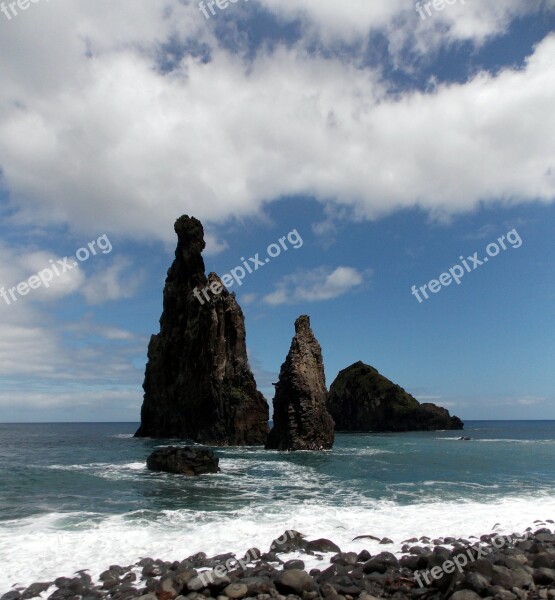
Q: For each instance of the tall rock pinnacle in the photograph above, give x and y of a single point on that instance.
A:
(198, 384)
(301, 420)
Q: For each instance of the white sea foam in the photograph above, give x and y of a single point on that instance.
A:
(113, 471)
(42, 548)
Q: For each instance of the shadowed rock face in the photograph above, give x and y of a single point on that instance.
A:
(361, 399)
(301, 420)
(183, 461)
(198, 383)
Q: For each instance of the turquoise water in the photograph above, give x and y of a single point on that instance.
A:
(84, 488)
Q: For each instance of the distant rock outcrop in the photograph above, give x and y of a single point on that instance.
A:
(361, 399)
(198, 383)
(301, 420)
(183, 461)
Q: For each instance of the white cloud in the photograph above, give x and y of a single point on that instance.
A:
(315, 286)
(530, 400)
(248, 299)
(97, 399)
(17, 266)
(113, 282)
(107, 139)
(354, 21)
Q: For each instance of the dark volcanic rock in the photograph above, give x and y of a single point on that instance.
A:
(361, 399)
(198, 383)
(301, 420)
(183, 461)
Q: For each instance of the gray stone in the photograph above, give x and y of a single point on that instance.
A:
(35, 589)
(544, 576)
(294, 581)
(13, 595)
(236, 590)
(197, 583)
(294, 564)
(323, 545)
(380, 563)
(477, 582)
(465, 595)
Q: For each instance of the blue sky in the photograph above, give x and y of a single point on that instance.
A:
(392, 145)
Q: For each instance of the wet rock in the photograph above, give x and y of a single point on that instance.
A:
(301, 419)
(380, 563)
(345, 558)
(294, 564)
(35, 589)
(364, 556)
(13, 595)
(183, 461)
(323, 545)
(290, 541)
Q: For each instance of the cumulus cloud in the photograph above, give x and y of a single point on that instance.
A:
(109, 123)
(112, 139)
(353, 21)
(119, 280)
(316, 285)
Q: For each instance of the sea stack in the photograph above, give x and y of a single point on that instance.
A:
(362, 400)
(301, 420)
(198, 384)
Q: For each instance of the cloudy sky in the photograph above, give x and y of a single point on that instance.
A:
(396, 146)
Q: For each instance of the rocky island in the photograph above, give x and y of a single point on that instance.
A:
(301, 419)
(362, 400)
(198, 383)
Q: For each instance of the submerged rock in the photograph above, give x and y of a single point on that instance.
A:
(183, 461)
(198, 382)
(361, 399)
(301, 420)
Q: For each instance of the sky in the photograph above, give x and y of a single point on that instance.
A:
(391, 147)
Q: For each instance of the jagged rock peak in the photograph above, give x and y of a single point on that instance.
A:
(198, 382)
(301, 420)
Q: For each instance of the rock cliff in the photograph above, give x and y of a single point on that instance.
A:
(301, 420)
(198, 384)
(361, 399)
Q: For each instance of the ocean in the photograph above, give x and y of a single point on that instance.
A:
(79, 496)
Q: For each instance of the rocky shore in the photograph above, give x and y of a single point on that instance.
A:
(517, 567)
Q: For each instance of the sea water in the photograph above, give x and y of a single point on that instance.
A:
(79, 496)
